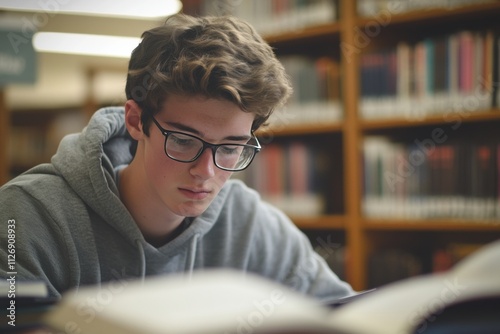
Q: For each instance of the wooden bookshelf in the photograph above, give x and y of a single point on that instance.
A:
(364, 235)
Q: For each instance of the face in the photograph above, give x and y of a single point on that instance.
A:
(187, 189)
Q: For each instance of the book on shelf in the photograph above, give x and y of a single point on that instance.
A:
(496, 74)
(316, 92)
(276, 16)
(224, 301)
(439, 75)
(420, 179)
(291, 176)
(375, 7)
(390, 265)
(446, 257)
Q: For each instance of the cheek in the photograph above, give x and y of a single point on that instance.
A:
(156, 164)
(221, 177)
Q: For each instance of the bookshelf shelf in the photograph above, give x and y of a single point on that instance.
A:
(307, 35)
(439, 16)
(444, 225)
(465, 117)
(330, 222)
(294, 130)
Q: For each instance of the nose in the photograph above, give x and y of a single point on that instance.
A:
(204, 167)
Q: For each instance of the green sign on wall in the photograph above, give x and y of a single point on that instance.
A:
(17, 55)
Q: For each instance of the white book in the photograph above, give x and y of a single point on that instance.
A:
(218, 301)
(230, 302)
(416, 304)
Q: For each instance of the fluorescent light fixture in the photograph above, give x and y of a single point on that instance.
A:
(84, 44)
(148, 9)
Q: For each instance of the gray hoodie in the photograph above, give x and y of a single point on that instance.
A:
(71, 229)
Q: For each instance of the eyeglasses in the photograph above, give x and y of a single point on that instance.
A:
(183, 147)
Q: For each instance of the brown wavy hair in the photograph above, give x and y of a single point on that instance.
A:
(216, 57)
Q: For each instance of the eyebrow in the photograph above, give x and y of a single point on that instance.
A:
(183, 127)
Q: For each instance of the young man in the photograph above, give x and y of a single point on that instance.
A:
(145, 190)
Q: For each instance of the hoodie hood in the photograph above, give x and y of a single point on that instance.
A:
(83, 160)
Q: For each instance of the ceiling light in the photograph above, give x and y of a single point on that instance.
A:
(149, 9)
(84, 44)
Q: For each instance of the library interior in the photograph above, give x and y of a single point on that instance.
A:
(387, 155)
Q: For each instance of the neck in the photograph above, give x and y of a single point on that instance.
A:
(152, 217)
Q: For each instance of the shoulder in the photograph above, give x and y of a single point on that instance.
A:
(40, 182)
(38, 193)
(237, 188)
(244, 206)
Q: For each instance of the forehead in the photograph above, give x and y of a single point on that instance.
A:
(207, 117)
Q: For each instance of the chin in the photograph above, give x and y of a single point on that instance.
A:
(192, 210)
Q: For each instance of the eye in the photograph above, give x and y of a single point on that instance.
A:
(230, 149)
(182, 140)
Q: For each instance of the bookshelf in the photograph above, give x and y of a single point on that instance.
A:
(36, 133)
(347, 39)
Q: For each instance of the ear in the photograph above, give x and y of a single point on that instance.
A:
(133, 119)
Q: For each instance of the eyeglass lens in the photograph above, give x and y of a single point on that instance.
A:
(186, 148)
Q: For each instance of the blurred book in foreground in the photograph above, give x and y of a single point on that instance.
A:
(464, 299)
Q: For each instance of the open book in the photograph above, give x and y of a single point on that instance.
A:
(465, 299)
(230, 302)
(218, 301)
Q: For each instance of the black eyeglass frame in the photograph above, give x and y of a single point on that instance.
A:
(206, 145)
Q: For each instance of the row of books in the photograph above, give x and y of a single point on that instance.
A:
(442, 74)
(276, 16)
(425, 180)
(290, 176)
(375, 7)
(28, 146)
(35, 143)
(394, 264)
(316, 98)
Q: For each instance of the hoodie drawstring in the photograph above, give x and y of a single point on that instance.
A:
(192, 255)
(142, 259)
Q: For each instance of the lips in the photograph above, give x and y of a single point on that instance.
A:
(195, 194)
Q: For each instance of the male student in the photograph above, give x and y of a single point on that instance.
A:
(144, 189)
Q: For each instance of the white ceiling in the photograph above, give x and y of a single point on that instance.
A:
(63, 80)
